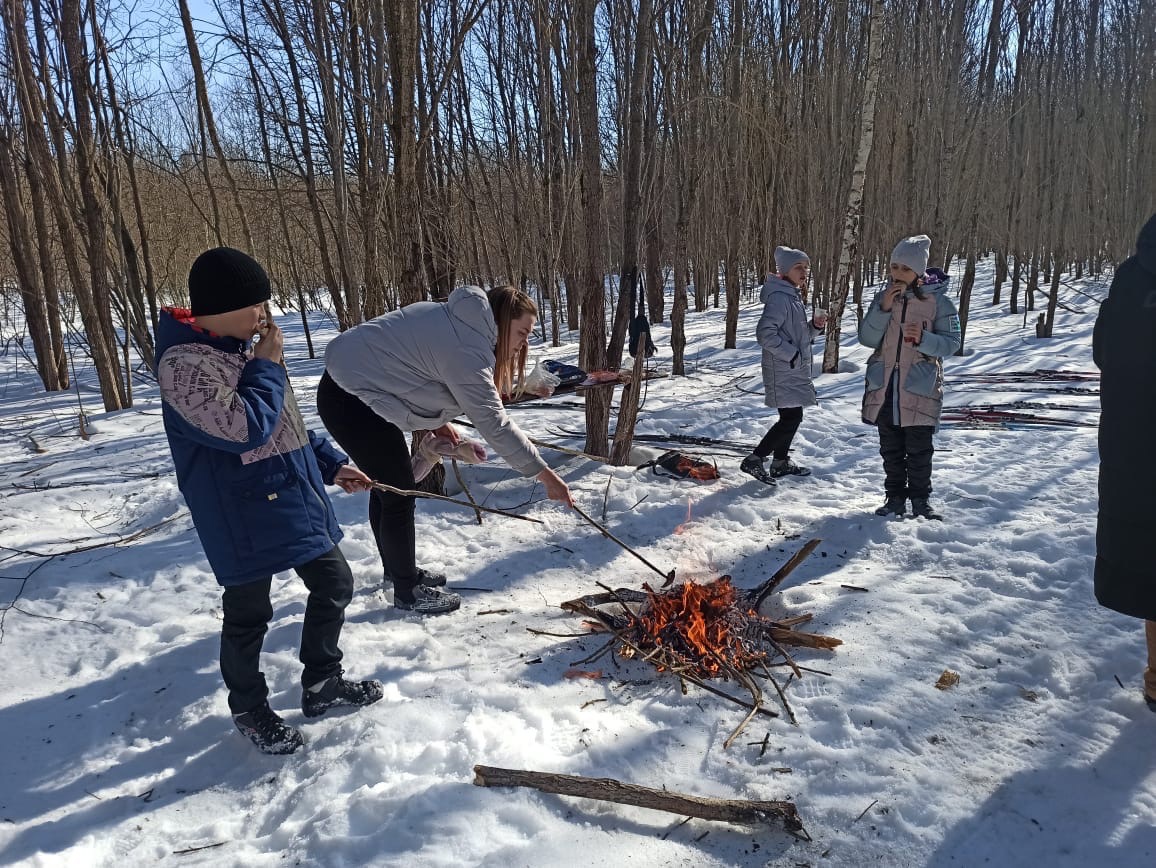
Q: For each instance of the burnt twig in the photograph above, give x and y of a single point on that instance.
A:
(465, 489)
(764, 590)
(668, 577)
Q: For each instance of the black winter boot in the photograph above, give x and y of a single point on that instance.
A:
(921, 508)
(787, 467)
(424, 577)
(426, 601)
(893, 506)
(753, 465)
(337, 691)
(267, 731)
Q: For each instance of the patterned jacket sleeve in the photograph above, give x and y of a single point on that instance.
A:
(215, 406)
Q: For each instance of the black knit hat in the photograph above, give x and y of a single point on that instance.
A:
(224, 279)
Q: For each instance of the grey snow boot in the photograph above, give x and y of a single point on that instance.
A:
(787, 467)
(426, 601)
(753, 465)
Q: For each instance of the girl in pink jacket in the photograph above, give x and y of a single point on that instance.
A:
(911, 326)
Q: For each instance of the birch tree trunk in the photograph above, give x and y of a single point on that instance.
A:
(854, 214)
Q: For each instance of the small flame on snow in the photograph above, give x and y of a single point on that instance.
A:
(685, 526)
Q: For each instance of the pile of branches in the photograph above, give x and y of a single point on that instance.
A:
(704, 632)
(996, 416)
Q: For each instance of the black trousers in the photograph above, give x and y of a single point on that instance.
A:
(380, 450)
(906, 454)
(777, 441)
(246, 612)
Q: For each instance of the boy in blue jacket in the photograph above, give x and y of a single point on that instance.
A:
(254, 480)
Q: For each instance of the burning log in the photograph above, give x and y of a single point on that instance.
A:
(610, 790)
(700, 632)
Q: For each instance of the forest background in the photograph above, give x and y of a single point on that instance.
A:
(374, 154)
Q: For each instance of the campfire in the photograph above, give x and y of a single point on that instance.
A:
(701, 632)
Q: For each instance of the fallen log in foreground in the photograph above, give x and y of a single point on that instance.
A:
(609, 790)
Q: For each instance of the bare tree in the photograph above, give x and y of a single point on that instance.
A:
(854, 214)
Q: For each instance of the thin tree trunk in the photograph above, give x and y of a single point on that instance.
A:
(854, 213)
(592, 342)
(205, 110)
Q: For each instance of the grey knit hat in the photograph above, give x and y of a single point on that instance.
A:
(912, 252)
(787, 257)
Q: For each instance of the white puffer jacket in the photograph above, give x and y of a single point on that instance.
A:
(423, 365)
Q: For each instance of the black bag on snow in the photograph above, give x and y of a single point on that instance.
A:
(679, 465)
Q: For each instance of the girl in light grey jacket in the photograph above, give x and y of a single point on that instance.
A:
(416, 369)
(786, 334)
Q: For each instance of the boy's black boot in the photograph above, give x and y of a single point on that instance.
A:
(267, 731)
(337, 691)
(921, 507)
(893, 506)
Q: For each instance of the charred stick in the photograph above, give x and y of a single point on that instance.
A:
(782, 696)
(617, 598)
(669, 577)
(610, 790)
(599, 653)
(760, 709)
(783, 651)
(764, 590)
(598, 599)
(787, 623)
(756, 697)
(466, 489)
(407, 492)
(558, 635)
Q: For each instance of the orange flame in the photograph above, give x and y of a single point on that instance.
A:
(700, 623)
(682, 528)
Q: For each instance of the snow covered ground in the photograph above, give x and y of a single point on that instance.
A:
(118, 749)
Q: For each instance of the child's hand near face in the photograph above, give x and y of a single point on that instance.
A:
(890, 295)
(272, 344)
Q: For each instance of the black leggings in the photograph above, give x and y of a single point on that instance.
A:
(245, 615)
(380, 450)
(777, 441)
